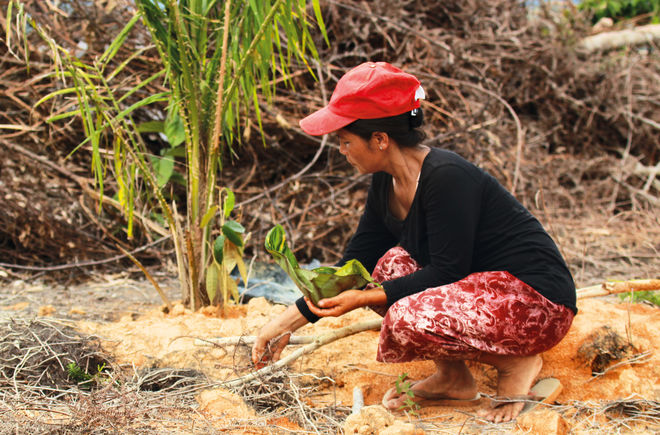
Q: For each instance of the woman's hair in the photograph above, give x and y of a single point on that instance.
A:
(402, 128)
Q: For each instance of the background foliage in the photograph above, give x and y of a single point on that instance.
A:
(621, 9)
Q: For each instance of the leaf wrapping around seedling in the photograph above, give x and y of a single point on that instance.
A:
(321, 282)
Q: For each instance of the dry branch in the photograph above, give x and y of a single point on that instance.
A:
(317, 342)
(614, 287)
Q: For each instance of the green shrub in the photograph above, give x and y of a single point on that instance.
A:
(621, 9)
(650, 296)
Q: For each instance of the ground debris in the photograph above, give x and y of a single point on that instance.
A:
(286, 394)
(602, 347)
(376, 420)
(48, 355)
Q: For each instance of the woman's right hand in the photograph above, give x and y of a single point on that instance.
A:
(274, 336)
(269, 345)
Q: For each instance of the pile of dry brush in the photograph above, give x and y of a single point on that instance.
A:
(506, 88)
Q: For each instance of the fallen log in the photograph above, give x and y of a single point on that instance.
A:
(620, 38)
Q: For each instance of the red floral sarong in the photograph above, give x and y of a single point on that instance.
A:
(486, 312)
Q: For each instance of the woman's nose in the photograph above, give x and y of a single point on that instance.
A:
(342, 149)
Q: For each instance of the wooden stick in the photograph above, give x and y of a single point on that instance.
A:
(614, 287)
(318, 341)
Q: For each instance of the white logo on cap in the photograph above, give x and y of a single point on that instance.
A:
(419, 95)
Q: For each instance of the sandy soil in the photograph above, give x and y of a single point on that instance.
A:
(155, 339)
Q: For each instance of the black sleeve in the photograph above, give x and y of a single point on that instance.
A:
(451, 202)
(304, 310)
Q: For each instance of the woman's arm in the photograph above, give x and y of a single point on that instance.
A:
(274, 336)
(346, 301)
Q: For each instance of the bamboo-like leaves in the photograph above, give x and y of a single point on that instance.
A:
(197, 54)
(321, 282)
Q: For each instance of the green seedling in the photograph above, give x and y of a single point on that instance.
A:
(83, 378)
(404, 387)
(77, 374)
(321, 282)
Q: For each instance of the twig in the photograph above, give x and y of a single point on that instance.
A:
(520, 136)
(635, 359)
(151, 279)
(84, 263)
(248, 340)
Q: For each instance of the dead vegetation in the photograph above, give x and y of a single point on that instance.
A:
(574, 136)
(55, 380)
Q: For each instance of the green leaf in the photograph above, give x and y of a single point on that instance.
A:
(212, 281)
(218, 248)
(322, 282)
(229, 203)
(175, 130)
(208, 216)
(319, 20)
(233, 231)
(116, 44)
(164, 167)
(234, 226)
(8, 20)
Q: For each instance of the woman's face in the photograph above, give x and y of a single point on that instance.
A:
(361, 154)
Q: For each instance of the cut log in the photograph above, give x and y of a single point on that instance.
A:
(620, 38)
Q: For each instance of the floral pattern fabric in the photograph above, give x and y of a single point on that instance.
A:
(486, 312)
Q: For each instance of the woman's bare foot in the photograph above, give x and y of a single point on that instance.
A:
(515, 378)
(452, 381)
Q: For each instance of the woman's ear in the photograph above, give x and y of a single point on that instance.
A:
(380, 139)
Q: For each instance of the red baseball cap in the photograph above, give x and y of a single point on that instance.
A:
(368, 91)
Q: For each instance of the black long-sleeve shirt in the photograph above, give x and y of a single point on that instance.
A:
(461, 221)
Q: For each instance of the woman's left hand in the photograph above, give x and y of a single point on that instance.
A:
(346, 301)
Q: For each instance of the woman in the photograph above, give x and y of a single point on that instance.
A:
(467, 272)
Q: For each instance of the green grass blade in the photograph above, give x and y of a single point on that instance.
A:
(119, 40)
(142, 84)
(319, 20)
(161, 96)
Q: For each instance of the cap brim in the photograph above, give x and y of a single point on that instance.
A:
(324, 121)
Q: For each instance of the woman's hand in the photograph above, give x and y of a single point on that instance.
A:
(346, 301)
(274, 336)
